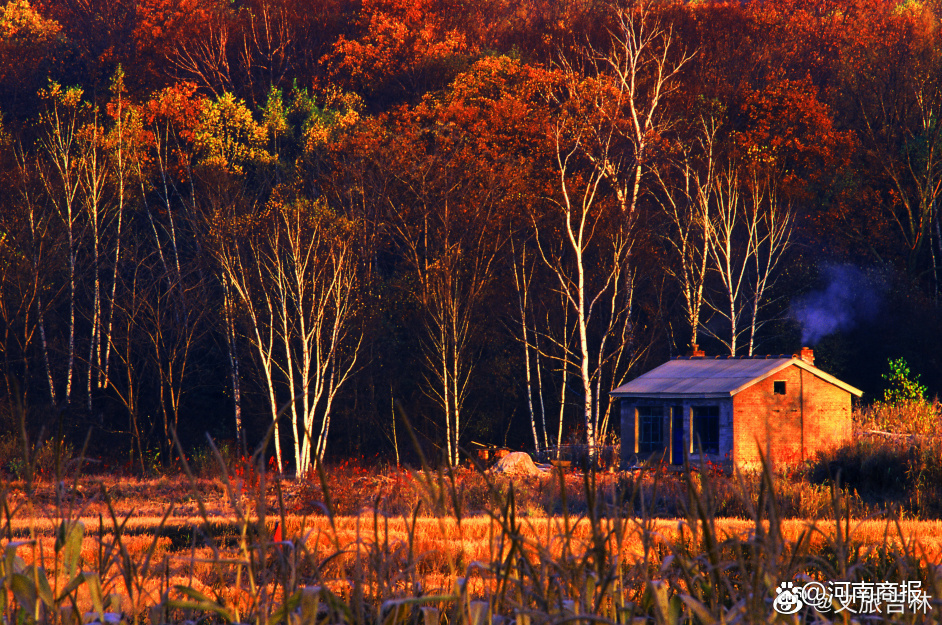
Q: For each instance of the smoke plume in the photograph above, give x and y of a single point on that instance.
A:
(848, 298)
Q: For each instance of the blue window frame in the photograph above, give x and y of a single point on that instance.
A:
(650, 428)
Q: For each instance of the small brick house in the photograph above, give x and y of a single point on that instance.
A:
(730, 408)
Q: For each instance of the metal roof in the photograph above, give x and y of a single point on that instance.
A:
(715, 377)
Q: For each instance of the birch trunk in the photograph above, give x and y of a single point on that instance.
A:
(59, 139)
(118, 89)
(299, 271)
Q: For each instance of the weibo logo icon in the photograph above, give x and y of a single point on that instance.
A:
(788, 599)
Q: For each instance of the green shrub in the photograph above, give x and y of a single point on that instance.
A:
(903, 386)
(904, 408)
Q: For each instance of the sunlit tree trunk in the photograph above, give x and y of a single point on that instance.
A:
(294, 278)
(62, 180)
(522, 281)
(121, 172)
(685, 195)
(539, 389)
(129, 353)
(731, 249)
(749, 234)
(576, 219)
(771, 239)
(602, 143)
(617, 351)
(244, 272)
(233, 357)
(451, 253)
(94, 177)
(564, 364)
(39, 239)
(180, 301)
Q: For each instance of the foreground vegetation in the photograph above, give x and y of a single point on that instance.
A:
(459, 546)
(219, 538)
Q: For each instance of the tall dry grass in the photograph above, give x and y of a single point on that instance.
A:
(916, 417)
(443, 546)
(611, 561)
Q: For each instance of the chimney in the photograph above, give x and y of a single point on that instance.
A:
(696, 352)
(807, 354)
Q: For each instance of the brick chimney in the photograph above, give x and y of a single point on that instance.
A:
(696, 352)
(807, 354)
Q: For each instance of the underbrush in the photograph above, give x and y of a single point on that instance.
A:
(228, 543)
(895, 460)
(914, 417)
(432, 547)
(886, 473)
(655, 491)
(351, 489)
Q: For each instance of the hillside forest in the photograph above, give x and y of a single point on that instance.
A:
(391, 224)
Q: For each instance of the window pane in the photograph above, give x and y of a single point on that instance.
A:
(706, 429)
(650, 428)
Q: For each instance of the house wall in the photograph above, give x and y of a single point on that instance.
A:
(811, 416)
(828, 417)
(630, 428)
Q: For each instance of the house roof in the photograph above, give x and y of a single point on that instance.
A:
(715, 377)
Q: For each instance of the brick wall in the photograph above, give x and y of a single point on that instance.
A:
(787, 429)
(767, 421)
(828, 420)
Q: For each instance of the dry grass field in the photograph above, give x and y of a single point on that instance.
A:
(175, 549)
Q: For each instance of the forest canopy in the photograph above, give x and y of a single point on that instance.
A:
(471, 219)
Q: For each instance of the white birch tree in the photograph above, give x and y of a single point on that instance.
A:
(587, 263)
(294, 279)
(772, 238)
(40, 245)
(94, 179)
(750, 231)
(61, 122)
(685, 194)
(523, 279)
(602, 155)
(451, 251)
